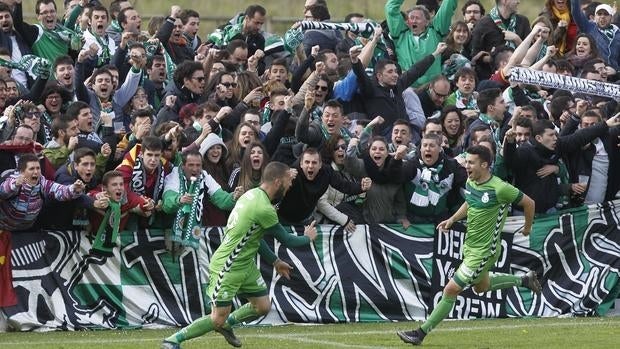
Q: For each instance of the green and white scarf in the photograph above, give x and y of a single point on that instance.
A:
(222, 37)
(266, 116)
(344, 132)
(563, 176)
(105, 56)
(499, 22)
(316, 113)
(46, 122)
(463, 102)
(186, 229)
(609, 32)
(542, 53)
(115, 26)
(62, 33)
(152, 49)
(30, 64)
(107, 234)
(494, 125)
(292, 39)
(428, 187)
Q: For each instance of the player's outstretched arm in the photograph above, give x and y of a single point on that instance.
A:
(457, 216)
(461, 213)
(528, 211)
(281, 266)
(267, 253)
(288, 239)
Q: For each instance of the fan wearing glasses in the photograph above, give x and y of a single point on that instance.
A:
(322, 93)
(24, 113)
(221, 89)
(433, 98)
(31, 116)
(189, 83)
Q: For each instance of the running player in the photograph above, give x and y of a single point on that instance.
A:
(486, 205)
(233, 271)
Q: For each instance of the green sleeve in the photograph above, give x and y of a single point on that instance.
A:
(170, 202)
(222, 199)
(73, 17)
(499, 167)
(57, 156)
(266, 252)
(394, 19)
(443, 17)
(451, 100)
(100, 162)
(507, 194)
(286, 238)
(365, 137)
(178, 159)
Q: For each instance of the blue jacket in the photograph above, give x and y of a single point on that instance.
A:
(609, 50)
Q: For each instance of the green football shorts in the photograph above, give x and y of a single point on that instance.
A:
(247, 283)
(474, 267)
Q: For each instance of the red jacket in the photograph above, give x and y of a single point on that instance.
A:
(129, 201)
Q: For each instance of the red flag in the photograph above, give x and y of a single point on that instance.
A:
(7, 293)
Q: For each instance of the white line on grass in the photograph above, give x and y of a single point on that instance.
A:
(330, 344)
(306, 336)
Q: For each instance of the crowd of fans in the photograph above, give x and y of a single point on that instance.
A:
(102, 112)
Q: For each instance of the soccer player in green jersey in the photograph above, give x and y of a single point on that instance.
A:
(232, 269)
(486, 206)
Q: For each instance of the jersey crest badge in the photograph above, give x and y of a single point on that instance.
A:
(485, 198)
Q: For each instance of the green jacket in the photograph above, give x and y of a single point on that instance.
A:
(409, 50)
(59, 155)
(218, 196)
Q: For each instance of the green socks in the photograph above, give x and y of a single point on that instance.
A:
(205, 324)
(499, 281)
(245, 312)
(439, 313)
(193, 330)
(443, 308)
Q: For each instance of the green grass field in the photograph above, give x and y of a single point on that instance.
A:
(504, 333)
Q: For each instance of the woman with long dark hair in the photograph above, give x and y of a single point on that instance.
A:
(243, 136)
(385, 200)
(221, 89)
(248, 175)
(453, 126)
(458, 41)
(584, 50)
(332, 205)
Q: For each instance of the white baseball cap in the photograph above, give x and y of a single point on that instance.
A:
(605, 7)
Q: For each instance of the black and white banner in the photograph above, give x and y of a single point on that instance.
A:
(378, 273)
(364, 28)
(564, 82)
